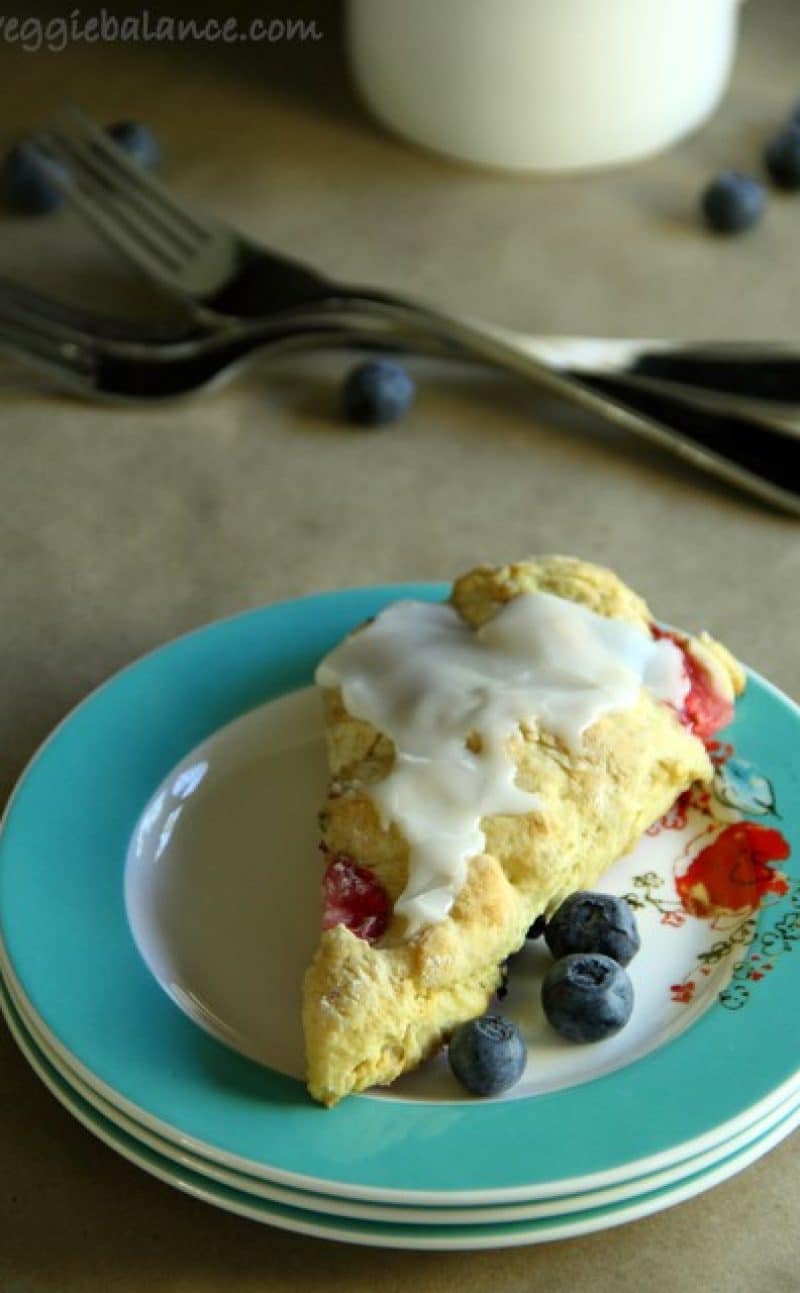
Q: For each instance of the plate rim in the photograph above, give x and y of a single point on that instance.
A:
(382, 1212)
(342, 1229)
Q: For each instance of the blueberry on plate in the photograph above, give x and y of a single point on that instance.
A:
(782, 158)
(25, 181)
(537, 928)
(587, 997)
(377, 392)
(733, 202)
(594, 922)
(138, 141)
(488, 1055)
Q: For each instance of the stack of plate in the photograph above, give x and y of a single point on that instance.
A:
(163, 838)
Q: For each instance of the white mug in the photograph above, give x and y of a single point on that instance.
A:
(542, 84)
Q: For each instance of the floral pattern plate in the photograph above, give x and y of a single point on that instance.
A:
(68, 953)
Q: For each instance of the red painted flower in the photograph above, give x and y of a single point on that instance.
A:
(353, 897)
(675, 818)
(673, 918)
(682, 993)
(719, 752)
(732, 874)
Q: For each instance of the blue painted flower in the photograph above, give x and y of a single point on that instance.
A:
(741, 785)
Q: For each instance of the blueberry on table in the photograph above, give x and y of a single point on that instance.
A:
(25, 181)
(587, 997)
(782, 158)
(488, 1055)
(377, 392)
(733, 202)
(138, 142)
(594, 922)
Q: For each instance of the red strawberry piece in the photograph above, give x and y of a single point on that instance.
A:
(353, 897)
(704, 710)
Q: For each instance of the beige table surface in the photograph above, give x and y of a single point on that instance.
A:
(121, 529)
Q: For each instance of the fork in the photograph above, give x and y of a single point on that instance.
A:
(109, 371)
(162, 341)
(743, 450)
(225, 280)
(744, 377)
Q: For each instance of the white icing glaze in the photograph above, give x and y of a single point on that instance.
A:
(428, 681)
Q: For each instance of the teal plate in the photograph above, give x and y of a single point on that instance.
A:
(321, 1225)
(67, 951)
(396, 1214)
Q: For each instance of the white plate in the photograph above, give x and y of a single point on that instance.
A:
(222, 895)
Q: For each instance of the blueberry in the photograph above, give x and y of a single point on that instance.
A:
(377, 392)
(488, 1055)
(733, 202)
(587, 997)
(594, 922)
(782, 158)
(138, 141)
(25, 181)
(538, 927)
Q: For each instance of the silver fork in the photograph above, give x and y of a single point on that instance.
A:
(743, 450)
(763, 380)
(108, 371)
(225, 280)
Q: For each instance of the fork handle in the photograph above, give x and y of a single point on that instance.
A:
(761, 373)
(758, 372)
(743, 450)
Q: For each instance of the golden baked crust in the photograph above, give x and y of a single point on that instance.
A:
(371, 1012)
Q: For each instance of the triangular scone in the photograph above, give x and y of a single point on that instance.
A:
(371, 1011)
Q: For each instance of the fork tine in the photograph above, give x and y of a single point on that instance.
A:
(89, 192)
(36, 345)
(80, 323)
(115, 186)
(117, 227)
(30, 310)
(134, 178)
(121, 195)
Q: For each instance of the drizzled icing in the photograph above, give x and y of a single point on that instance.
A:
(451, 697)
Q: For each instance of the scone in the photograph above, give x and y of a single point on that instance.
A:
(540, 722)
